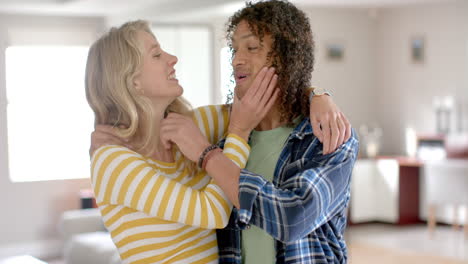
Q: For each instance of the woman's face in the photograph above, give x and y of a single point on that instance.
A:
(156, 78)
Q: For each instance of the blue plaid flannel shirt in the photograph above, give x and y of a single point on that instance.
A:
(303, 209)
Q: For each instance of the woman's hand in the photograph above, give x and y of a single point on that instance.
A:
(248, 111)
(106, 135)
(330, 125)
(182, 131)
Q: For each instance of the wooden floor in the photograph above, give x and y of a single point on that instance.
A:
(385, 244)
(390, 244)
(368, 254)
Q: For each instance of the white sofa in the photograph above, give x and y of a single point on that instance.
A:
(86, 240)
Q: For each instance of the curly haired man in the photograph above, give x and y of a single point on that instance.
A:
(292, 198)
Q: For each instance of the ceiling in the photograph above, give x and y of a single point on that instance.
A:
(166, 7)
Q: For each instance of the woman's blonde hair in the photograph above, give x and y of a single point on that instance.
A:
(113, 62)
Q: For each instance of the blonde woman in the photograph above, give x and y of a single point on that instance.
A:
(158, 206)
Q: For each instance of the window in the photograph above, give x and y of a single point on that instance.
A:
(48, 118)
(227, 79)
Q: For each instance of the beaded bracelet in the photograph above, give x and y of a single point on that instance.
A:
(203, 155)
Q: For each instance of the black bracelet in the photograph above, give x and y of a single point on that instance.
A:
(203, 155)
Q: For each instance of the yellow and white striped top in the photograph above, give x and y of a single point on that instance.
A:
(159, 212)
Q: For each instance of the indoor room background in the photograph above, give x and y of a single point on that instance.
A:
(397, 69)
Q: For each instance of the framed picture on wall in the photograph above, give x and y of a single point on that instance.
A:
(418, 49)
(334, 51)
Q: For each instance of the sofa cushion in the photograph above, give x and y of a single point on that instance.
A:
(91, 248)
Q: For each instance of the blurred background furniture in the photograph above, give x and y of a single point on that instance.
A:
(445, 183)
(86, 240)
(385, 189)
(445, 180)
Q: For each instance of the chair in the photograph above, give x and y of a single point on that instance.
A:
(86, 239)
(446, 183)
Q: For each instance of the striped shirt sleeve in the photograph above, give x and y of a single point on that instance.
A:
(123, 177)
(213, 121)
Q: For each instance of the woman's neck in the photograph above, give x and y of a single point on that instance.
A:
(155, 149)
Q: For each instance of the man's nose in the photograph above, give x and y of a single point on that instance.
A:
(238, 59)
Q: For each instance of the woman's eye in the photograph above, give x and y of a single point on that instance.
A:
(253, 48)
(157, 55)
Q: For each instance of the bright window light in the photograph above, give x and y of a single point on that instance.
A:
(227, 79)
(48, 118)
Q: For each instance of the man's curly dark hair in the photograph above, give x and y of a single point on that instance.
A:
(292, 51)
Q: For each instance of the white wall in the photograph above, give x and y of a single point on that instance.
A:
(406, 90)
(30, 211)
(352, 81)
(218, 25)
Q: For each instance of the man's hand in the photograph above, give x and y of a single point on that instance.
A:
(330, 125)
(247, 112)
(182, 131)
(106, 135)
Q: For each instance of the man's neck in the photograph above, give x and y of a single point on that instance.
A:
(271, 120)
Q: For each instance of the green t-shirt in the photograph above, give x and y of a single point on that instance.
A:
(265, 148)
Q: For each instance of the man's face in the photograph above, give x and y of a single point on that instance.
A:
(250, 56)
